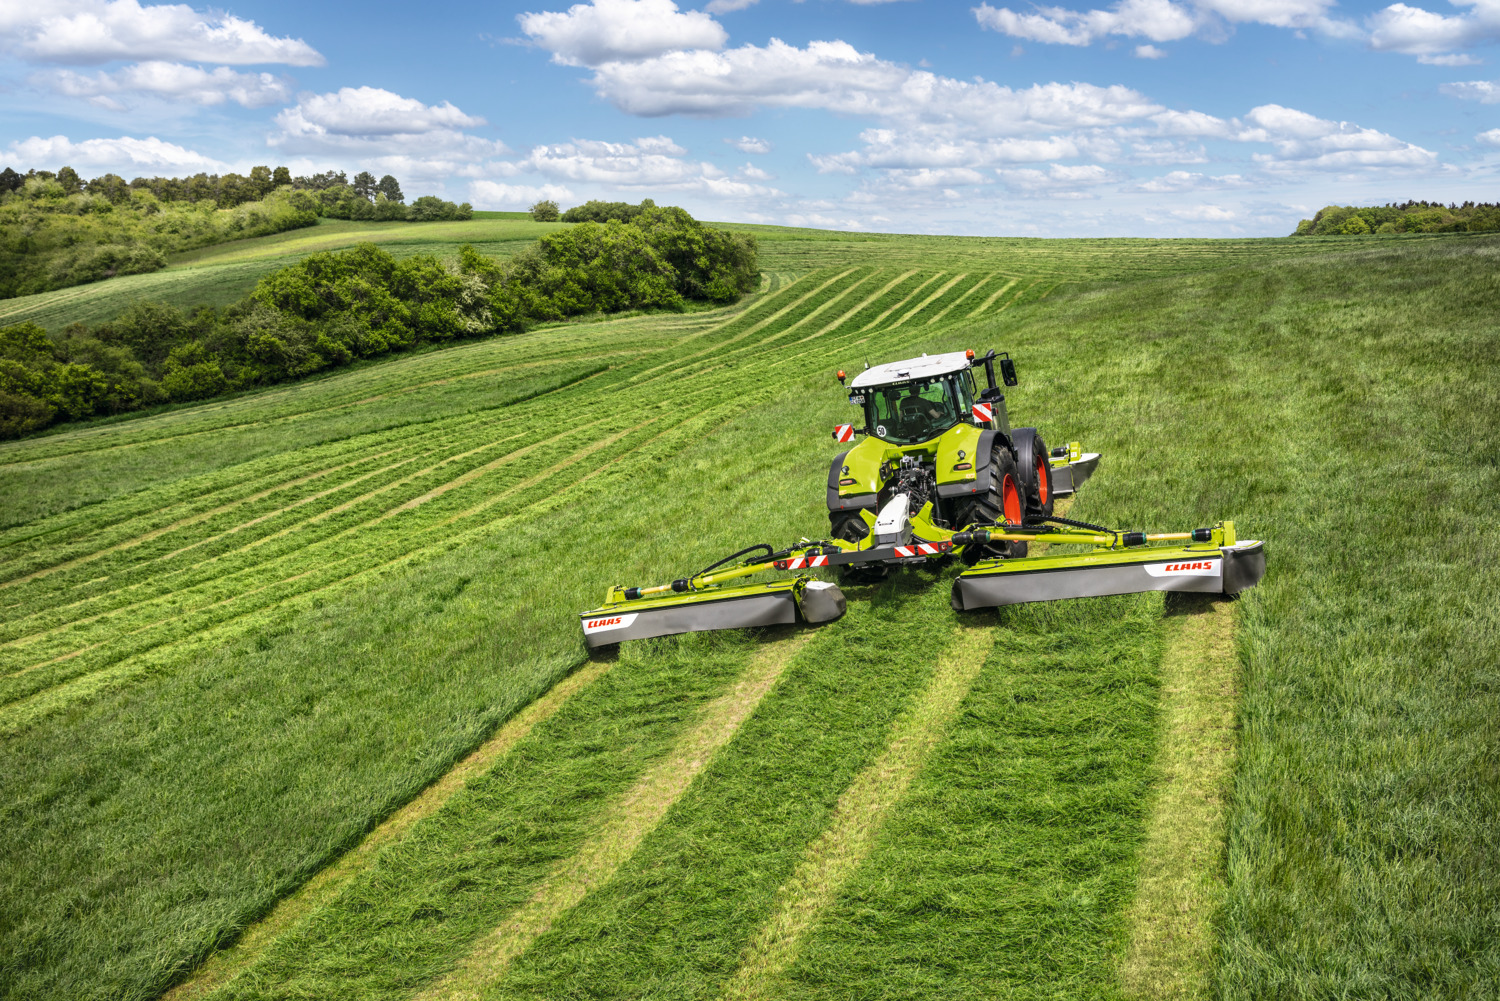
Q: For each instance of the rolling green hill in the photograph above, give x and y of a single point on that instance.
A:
(293, 701)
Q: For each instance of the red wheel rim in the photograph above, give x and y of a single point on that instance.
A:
(1043, 481)
(1010, 497)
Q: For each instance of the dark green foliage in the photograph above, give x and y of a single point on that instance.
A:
(597, 211)
(1408, 217)
(430, 208)
(331, 308)
(391, 188)
(50, 239)
(57, 232)
(544, 211)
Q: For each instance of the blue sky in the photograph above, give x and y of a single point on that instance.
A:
(1133, 118)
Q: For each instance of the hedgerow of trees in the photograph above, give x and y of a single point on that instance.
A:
(331, 308)
(597, 211)
(1407, 217)
(57, 230)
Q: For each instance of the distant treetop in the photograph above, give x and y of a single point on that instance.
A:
(1407, 217)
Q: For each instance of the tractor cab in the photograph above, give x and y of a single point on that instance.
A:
(916, 400)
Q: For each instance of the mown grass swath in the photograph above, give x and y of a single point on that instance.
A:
(238, 635)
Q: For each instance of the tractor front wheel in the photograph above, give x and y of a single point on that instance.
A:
(850, 527)
(1035, 470)
(1004, 501)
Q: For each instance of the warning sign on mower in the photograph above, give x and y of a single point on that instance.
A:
(844, 432)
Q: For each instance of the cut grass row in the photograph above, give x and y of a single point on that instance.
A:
(187, 611)
(431, 436)
(521, 613)
(1368, 716)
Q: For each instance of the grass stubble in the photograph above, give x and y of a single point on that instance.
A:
(223, 966)
(1361, 830)
(627, 821)
(1181, 890)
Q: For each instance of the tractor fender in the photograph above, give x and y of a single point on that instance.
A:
(989, 440)
(850, 503)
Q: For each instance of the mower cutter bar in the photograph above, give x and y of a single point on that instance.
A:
(1203, 560)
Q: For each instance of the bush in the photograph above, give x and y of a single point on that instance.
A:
(544, 211)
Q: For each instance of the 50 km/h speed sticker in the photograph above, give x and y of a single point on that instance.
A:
(607, 622)
(1185, 568)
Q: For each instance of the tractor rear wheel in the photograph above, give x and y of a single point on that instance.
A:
(850, 527)
(1003, 502)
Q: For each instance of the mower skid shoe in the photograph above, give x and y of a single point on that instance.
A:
(1067, 479)
(1225, 570)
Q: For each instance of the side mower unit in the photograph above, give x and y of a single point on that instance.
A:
(1202, 561)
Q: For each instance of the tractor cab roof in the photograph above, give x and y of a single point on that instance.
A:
(925, 367)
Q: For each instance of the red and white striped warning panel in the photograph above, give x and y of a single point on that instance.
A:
(844, 432)
(984, 412)
(803, 562)
(923, 549)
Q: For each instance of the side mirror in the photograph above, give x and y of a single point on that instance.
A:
(1007, 370)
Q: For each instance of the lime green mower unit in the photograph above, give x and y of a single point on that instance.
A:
(940, 475)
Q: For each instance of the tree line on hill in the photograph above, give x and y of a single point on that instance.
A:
(331, 308)
(547, 210)
(1407, 217)
(58, 230)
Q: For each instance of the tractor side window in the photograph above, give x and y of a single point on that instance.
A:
(963, 387)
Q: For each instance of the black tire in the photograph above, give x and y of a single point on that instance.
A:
(1035, 469)
(1001, 503)
(850, 527)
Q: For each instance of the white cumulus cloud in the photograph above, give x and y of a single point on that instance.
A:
(125, 155)
(835, 76)
(173, 81)
(890, 149)
(747, 144)
(1305, 141)
(651, 162)
(588, 34)
(1490, 138)
(1162, 20)
(1204, 213)
(1158, 20)
(1149, 52)
(1059, 180)
(1419, 32)
(388, 133)
(98, 31)
(493, 195)
(369, 112)
(1178, 181)
(1483, 91)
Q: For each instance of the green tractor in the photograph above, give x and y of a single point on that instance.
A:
(940, 454)
(941, 473)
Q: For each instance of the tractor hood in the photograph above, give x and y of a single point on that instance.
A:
(925, 367)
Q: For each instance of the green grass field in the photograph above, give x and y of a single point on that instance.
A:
(239, 639)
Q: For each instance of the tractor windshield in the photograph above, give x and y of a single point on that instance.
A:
(913, 411)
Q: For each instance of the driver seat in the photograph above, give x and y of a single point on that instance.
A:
(913, 419)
